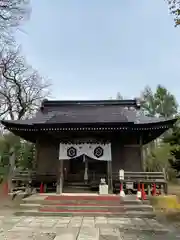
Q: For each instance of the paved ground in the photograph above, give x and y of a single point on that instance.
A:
(82, 228)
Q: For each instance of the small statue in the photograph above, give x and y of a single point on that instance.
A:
(34, 191)
(103, 181)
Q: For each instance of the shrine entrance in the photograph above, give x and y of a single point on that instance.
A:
(81, 173)
(83, 166)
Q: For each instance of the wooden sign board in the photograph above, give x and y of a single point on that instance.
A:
(121, 174)
(130, 185)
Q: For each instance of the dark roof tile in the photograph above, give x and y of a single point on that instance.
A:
(87, 113)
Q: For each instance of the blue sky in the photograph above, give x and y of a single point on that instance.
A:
(92, 49)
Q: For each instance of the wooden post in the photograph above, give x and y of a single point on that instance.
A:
(165, 185)
(61, 177)
(109, 173)
(141, 153)
(11, 169)
(85, 169)
(59, 186)
(36, 153)
(149, 189)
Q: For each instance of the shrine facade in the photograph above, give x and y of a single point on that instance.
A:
(83, 141)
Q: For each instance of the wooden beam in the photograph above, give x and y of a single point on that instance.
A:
(109, 173)
(132, 145)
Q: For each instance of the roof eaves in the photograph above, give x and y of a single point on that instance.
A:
(156, 122)
(7, 123)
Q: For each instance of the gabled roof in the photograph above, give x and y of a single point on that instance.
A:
(89, 112)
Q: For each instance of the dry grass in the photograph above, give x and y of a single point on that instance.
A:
(169, 206)
(168, 203)
(174, 189)
(7, 204)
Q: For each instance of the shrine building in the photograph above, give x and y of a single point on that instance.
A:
(79, 142)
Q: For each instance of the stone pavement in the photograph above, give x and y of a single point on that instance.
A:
(82, 228)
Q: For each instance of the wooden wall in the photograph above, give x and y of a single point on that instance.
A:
(124, 156)
(47, 157)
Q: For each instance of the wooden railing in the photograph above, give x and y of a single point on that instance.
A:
(128, 176)
(135, 177)
(144, 177)
(159, 178)
(148, 178)
(25, 175)
(80, 176)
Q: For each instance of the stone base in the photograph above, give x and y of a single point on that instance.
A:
(103, 189)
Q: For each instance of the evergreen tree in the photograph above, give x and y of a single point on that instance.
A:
(173, 138)
(160, 103)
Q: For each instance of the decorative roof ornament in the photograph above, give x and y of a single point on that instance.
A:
(43, 101)
(138, 103)
(42, 104)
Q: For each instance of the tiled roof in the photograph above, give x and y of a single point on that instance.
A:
(87, 113)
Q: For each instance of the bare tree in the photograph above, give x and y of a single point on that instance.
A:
(174, 7)
(21, 87)
(12, 14)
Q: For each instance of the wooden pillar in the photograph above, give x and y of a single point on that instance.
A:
(109, 173)
(165, 185)
(11, 169)
(141, 153)
(85, 169)
(61, 176)
(35, 160)
(59, 189)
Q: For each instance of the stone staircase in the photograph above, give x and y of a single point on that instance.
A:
(76, 187)
(84, 205)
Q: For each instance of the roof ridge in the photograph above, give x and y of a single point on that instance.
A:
(55, 103)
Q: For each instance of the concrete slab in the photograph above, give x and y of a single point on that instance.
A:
(119, 221)
(30, 205)
(21, 229)
(88, 234)
(107, 237)
(17, 235)
(67, 236)
(66, 221)
(72, 233)
(47, 224)
(12, 219)
(46, 228)
(35, 196)
(74, 225)
(110, 231)
(89, 225)
(62, 225)
(28, 219)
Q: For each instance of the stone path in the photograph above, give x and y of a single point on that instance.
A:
(82, 228)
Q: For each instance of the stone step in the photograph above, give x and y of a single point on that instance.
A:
(86, 197)
(83, 202)
(81, 187)
(128, 214)
(94, 209)
(76, 188)
(72, 207)
(30, 206)
(68, 183)
(130, 201)
(51, 202)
